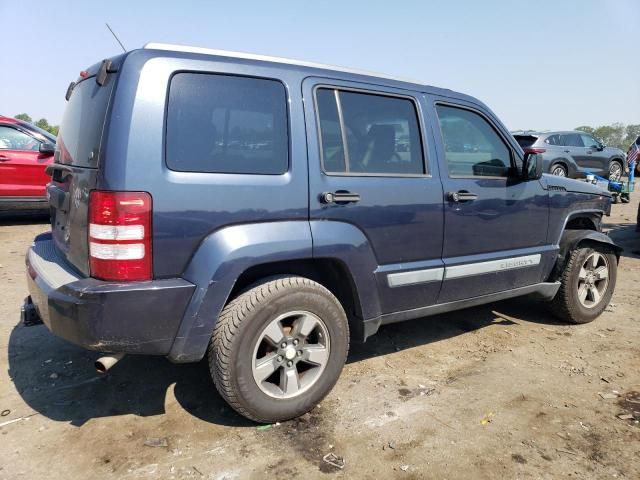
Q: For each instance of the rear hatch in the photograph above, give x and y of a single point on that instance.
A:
(526, 141)
(77, 160)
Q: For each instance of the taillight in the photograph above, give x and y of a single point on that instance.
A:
(535, 150)
(120, 235)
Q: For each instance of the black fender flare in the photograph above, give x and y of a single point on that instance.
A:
(572, 239)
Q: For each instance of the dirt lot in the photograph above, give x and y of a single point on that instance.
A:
(499, 391)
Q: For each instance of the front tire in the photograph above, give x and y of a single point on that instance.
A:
(558, 170)
(278, 348)
(615, 170)
(586, 285)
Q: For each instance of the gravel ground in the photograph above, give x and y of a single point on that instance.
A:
(498, 391)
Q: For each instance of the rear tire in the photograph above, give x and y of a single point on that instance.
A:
(558, 170)
(268, 379)
(586, 285)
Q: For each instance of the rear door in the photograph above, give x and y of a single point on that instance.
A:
(22, 166)
(371, 166)
(495, 224)
(75, 169)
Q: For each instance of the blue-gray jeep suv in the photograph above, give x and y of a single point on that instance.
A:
(262, 212)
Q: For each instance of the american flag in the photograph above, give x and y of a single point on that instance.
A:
(632, 155)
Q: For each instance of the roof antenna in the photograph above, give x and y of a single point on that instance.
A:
(116, 37)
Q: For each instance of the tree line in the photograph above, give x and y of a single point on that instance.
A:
(615, 135)
(43, 123)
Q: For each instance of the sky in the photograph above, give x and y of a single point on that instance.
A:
(538, 64)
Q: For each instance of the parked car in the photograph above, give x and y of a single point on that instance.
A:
(25, 152)
(172, 236)
(572, 154)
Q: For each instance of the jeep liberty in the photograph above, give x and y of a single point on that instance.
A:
(261, 212)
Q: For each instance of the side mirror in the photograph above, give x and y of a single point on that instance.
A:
(532, 166)
(47, 149)
(600, 147)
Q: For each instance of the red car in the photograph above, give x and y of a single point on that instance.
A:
(25, 152)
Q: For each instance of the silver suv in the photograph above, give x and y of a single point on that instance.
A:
(573, 154)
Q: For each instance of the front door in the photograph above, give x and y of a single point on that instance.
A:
(372, 169)
(495, 223)
(594, 157)
(21, 164)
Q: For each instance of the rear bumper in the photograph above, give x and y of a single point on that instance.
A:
(132, 317)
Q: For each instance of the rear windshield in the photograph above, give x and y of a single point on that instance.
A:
(83, 121)
(525, 141)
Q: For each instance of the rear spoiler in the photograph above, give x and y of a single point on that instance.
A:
(100, 73)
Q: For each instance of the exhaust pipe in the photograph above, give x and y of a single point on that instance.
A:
(105, 363)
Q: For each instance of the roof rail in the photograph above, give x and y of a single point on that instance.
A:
(266, 58)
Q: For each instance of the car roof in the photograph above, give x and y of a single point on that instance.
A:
(313, 68)
(4, 119)
(534, 133)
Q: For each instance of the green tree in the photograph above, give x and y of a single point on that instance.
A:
(43, 124)
(632, 132)
(24, 117)
(614, 135)
(586, 129)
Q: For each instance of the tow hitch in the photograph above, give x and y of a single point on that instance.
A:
(28, 313)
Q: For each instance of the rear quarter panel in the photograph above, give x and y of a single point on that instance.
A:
(189, 206)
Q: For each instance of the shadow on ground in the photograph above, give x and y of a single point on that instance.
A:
(58, 380)
(626, 236)
(27, 218)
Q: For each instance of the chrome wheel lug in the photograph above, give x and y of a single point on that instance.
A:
(283, 345)
(279, 358)
(299, 353)
(295, 341)
(289, 363)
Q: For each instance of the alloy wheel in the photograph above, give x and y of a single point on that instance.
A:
(593, 280)
(290, 355)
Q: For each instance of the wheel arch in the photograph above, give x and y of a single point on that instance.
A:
(331, 273)
(232, 258)
(579, 238)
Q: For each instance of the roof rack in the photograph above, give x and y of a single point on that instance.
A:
(266, 58)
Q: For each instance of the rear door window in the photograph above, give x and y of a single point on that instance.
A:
(369, 134)
(227, 124)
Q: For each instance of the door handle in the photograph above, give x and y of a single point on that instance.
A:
(567, 151)
(340, 196)
(4, 158)
(461, 196)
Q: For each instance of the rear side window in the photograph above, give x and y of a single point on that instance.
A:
(227, 124)
(365, 133)
(553, 140)
(472, 146)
